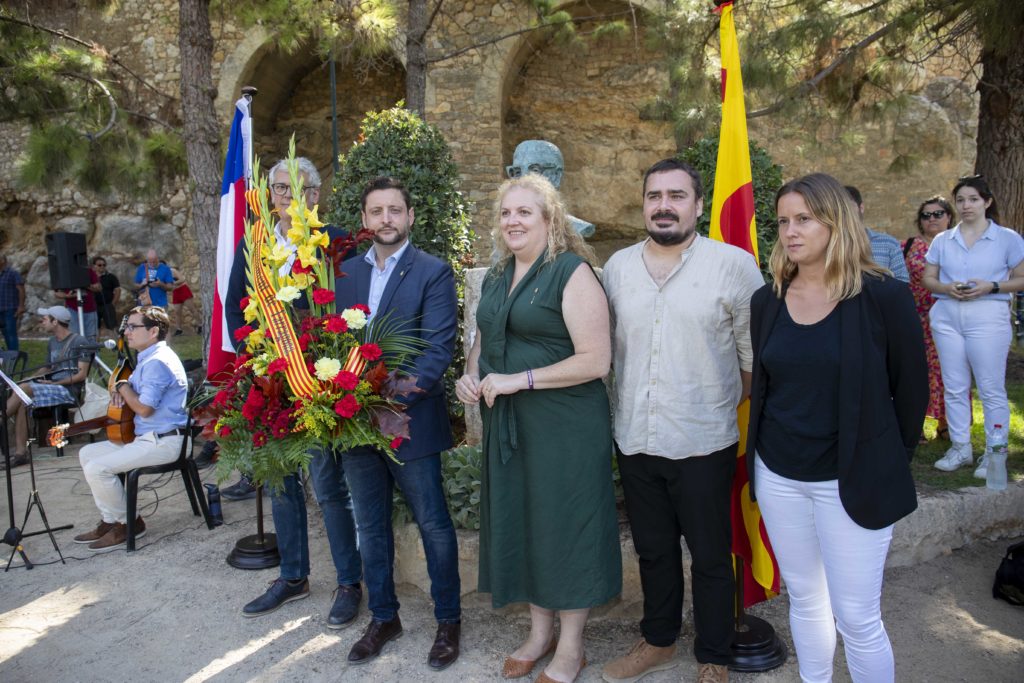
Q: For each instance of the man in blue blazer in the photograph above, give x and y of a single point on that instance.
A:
(288, 505)
(395, 278)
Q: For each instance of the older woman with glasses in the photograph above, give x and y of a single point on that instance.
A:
(934, 216)
(972, 270)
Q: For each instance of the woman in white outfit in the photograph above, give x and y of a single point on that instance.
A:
(973, 269)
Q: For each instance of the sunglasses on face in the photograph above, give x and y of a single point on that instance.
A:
(938, 213)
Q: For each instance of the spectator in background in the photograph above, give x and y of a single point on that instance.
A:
(69, 298)
(12, 302)
(155, 280)
(108, 296)
(885, 249)
(180, 297)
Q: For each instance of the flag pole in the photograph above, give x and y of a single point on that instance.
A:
(257, 551)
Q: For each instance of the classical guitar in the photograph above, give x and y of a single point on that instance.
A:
(119, 422)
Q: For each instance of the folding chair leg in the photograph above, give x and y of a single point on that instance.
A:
(186, 478)
(197, 484)
(132, 496)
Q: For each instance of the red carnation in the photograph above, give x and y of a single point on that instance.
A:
(310, 367)
(308, 323)
(297, 267)
(259, 439)
(346, 380)
(396, 442)
(304, 341)
(277, 365)
(336, 324)
(243, 332)
(244, 303)
(225, 431)
(322, 296)
(347, 406)
(361, 307)
(221, 398)
(370, 352)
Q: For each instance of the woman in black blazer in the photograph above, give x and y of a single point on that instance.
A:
(839, 392)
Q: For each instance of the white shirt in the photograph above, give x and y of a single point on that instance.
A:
(997, 252)
(678, 349)
(379, 276)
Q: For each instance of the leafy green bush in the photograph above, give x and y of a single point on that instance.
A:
(767, 179)
(460, 472)
(396, 142)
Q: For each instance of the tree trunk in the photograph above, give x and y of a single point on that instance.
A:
(202, 142)
(1001, 131)
(416, 57)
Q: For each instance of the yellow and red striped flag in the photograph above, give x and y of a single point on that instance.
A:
(732, 222)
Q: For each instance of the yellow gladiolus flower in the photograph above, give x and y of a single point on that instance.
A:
(312, 220)
(296, 233)
(301, 280)
(319, 239)
(288, 293)
(307, 255)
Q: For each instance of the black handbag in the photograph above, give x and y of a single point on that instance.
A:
(1009, 583)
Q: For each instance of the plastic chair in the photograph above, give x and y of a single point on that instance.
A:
(13, 363)
(189, 474)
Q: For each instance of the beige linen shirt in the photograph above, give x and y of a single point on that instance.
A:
(678, 349)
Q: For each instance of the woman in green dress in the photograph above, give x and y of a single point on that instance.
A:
(548, 527)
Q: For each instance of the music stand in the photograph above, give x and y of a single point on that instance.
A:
(14, 534)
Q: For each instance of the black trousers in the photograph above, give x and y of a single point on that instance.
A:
(666, 499)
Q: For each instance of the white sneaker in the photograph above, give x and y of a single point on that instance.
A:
(956, 457)
(981, 471)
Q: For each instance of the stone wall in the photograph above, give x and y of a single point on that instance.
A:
(587, 96)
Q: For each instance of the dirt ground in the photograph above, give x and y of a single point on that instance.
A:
(171, 611)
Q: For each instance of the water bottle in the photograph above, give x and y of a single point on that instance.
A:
(995, 475)
(213, 501)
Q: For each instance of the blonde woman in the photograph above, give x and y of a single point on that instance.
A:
(839, 392)
(548, 529)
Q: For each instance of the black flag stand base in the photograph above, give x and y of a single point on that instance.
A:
(258, 551)
(755, 645)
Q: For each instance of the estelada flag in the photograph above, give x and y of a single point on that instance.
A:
(732, 222)
(237, 172)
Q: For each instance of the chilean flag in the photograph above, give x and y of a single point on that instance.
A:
(237, 173)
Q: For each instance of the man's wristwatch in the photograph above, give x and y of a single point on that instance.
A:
(995, 288)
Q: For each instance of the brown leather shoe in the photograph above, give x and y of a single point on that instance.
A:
(446, 647)
(117, 536)
(544, 678)
(96, 534)
(517, 668)
(376, 635)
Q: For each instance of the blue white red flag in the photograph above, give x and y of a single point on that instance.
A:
(237, 173)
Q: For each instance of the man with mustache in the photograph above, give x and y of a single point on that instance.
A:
(682, 358)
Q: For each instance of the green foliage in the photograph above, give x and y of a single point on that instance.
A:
(767, 179)
(460, 474)
(398, 143)
(83, 127)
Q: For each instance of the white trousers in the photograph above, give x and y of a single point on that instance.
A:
(103, 461)
(972, 337)
(833, 570)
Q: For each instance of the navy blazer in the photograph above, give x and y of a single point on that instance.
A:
(238, 288)
(421, 295)
(883, 396)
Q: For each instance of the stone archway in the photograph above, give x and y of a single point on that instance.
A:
(589, 99)
(295, 97)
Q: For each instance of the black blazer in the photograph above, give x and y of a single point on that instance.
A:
(883, 396)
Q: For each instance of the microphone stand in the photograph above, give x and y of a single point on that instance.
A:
(14, 534)
(81, 315)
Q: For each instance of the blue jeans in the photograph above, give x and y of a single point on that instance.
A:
(289, 510)
(372, 477)
(10, 325)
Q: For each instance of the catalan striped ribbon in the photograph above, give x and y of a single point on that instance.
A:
(278, 322)
(355, 363)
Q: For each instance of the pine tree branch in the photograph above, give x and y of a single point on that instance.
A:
(529, 29)
(96, 48)
(811, 84)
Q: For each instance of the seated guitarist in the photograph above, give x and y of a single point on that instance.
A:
(156, 393)
(68, 355)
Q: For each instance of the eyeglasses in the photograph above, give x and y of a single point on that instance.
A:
(132, 326)
(281, 189)
(517, 171)
(938, 213)
(100, 265)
